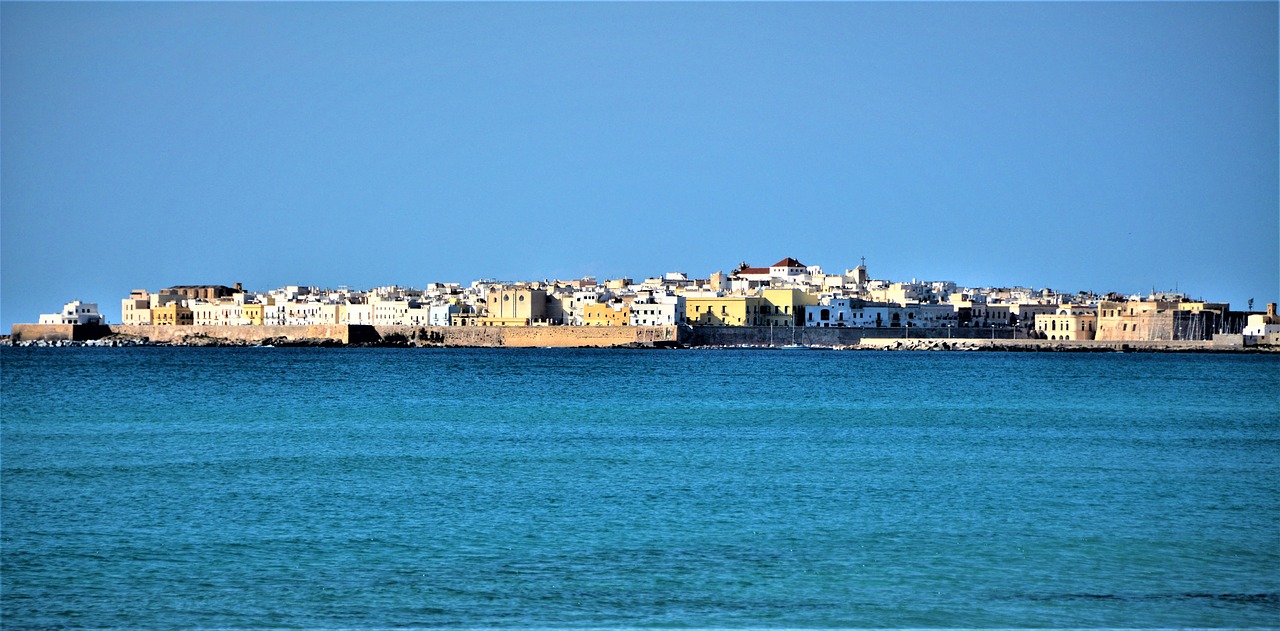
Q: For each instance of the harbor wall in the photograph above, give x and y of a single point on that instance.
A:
(531, 336)
(58, 332)
(832, 336)
(562, 336)
(1042, 345)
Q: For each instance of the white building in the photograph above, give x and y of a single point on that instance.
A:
(390, 312)
(204, 313)
(662, 311)
(74, 312)
(273, 314)
(848, 312)
(360, 313)
(440, 314)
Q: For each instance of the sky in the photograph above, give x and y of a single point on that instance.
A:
(1077, 146)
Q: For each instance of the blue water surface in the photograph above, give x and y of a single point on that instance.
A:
(190, 487)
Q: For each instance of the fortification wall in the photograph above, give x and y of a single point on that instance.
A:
(1045, 345)
(561, 336)
(838, 336)
(538, 336)
(57, 332)
(239, 334)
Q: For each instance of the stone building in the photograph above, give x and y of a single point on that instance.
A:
(1069, 322)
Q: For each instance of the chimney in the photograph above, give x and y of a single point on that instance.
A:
(1271, 309)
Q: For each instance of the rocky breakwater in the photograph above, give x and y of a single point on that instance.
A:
(922, 345)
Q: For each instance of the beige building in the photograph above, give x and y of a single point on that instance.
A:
(515, 306)
(1069, 322)
(136, 309)
(1135, 320)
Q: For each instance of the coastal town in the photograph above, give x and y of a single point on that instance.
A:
(780, 298)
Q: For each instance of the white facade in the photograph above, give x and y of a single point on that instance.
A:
(1259, 326)
(232, 314)
(390, 312)
(847, 312)
(439, 314)
(204, 313)
(273, 315)
(666, 312)
(357, 314)
(417, 315)
(74, 312)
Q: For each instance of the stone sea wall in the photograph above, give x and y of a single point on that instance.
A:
(960, 344)
(196, 335)
(536, 336)
(840, 336)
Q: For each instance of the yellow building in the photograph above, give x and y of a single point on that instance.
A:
(515, 306)
(601, 314)
(783, 307)
(723, 310)
(172, 314)
(253, 314)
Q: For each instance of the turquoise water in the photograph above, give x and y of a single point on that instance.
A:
(186, 487)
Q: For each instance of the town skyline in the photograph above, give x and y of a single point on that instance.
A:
(870, 288)
(1083, 147)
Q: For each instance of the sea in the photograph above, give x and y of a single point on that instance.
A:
(158, 487)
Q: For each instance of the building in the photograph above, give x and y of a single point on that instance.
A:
(786, 271)
(172, 314)
(253, 314)
(136, 309)
(442, 315)
(662, 312)
(783, 307)
(736, 310)
(466, 315)
(1069, 322)
(515, 306)
(1265, 328)
(74, 312)
(207, 293)
(606, 314)
(389, 311)
(356, 313)
(205, 313)
(1156, 320)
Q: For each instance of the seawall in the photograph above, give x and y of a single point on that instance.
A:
(531, 336)
(195, 335)
(840, 336)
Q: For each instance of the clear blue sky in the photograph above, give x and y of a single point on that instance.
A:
(1099, 146)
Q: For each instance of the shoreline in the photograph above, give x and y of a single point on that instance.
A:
(653, 337)
(872, 345)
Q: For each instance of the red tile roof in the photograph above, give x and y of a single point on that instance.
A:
(788, 262)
